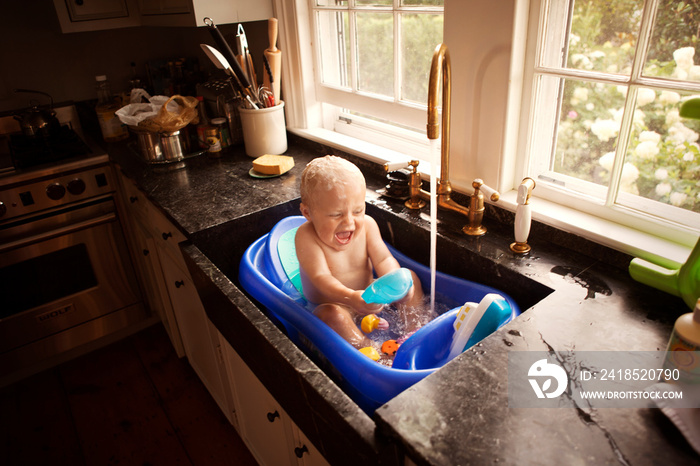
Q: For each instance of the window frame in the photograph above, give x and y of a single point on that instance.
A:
(549, 185)
(504, 163)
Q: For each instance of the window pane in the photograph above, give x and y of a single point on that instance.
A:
(589, 123)
(422, 2)
(663, 160)
(334, 46)
(375, 52)
(674, 41)
(331, 2)
(603, 35)
(420, 34)
(374, 2)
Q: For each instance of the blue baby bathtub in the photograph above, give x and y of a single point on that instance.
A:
(368, 383)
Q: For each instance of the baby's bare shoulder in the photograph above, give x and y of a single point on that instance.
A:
(306, 237)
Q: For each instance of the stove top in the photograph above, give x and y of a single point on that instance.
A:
(24, 158)
(30, 151)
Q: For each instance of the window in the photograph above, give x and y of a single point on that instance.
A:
(372, 61)
(606, 137)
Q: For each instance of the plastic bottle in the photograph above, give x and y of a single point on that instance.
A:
(204, 123)
(112, 128)
(683, 346)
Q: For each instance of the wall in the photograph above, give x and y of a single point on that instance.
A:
(479, 34)
(36, 55)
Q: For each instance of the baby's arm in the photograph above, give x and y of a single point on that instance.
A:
(320, 286)
(382, 260)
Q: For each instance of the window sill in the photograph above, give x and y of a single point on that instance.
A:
(619, 237)
(613, 235)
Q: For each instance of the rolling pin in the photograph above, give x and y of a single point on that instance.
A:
(274, 58)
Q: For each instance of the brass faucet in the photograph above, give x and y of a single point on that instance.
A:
(441, 68)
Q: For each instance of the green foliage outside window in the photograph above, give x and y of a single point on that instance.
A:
(662, 156)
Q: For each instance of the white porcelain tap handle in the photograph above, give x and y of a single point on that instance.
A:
(523, 218)
(393, 166)
(489, 193)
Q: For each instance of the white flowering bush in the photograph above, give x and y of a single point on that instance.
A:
(662, 156)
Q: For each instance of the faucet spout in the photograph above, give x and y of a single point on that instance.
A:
(440, 77)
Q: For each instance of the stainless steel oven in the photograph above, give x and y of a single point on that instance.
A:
(65, 274)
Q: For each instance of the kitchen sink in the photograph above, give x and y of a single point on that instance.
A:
(225, 245)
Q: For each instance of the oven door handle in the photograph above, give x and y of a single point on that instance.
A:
(56, 232)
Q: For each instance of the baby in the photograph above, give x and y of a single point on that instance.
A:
(339, 247)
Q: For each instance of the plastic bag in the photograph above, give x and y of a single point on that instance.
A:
(162, 113)
(171, 119)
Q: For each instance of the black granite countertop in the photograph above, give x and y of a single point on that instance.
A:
(460, 414)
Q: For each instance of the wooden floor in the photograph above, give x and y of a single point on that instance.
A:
(132, 403)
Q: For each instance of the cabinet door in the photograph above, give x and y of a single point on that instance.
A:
(194, 327)
(305, 451)
(193, 12)
(85, 10)
(264, 426)
(153, 283)
(95, 15)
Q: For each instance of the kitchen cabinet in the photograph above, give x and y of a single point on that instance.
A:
(194, 327)
(193, 12)
(95, 15)
(264, 426)
(169, 289)
(144, 252)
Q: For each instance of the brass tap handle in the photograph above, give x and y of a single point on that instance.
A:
(414, 187)
(492, 194)
(476, 207)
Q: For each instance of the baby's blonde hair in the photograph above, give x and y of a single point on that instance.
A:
(324, 173)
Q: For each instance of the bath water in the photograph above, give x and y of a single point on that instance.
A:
(398, 325)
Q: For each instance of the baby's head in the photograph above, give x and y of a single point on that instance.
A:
(326, 174)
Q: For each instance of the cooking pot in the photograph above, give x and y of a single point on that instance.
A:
(37, 121)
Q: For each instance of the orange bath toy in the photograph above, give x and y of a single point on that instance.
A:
(390, 347)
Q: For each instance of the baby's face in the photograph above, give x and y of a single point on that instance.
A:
(337, 215)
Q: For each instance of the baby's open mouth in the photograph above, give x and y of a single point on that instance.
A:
(343, 237)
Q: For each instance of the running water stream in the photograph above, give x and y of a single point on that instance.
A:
(434, 162)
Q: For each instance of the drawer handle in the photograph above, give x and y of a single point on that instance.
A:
(300, 451)
(167, 235)
(179, 283)
(272, 416)
(146, 252)
(133, 199)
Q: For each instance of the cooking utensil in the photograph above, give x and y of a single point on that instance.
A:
(226, 53)
(244, 55)
(274, 58)
(37, 121)
(218, 59)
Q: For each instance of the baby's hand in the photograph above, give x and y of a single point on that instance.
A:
(408, 297)
(363, 307)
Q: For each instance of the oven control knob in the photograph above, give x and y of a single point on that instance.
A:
(76, 186)
(55, 191)
(3, 209)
